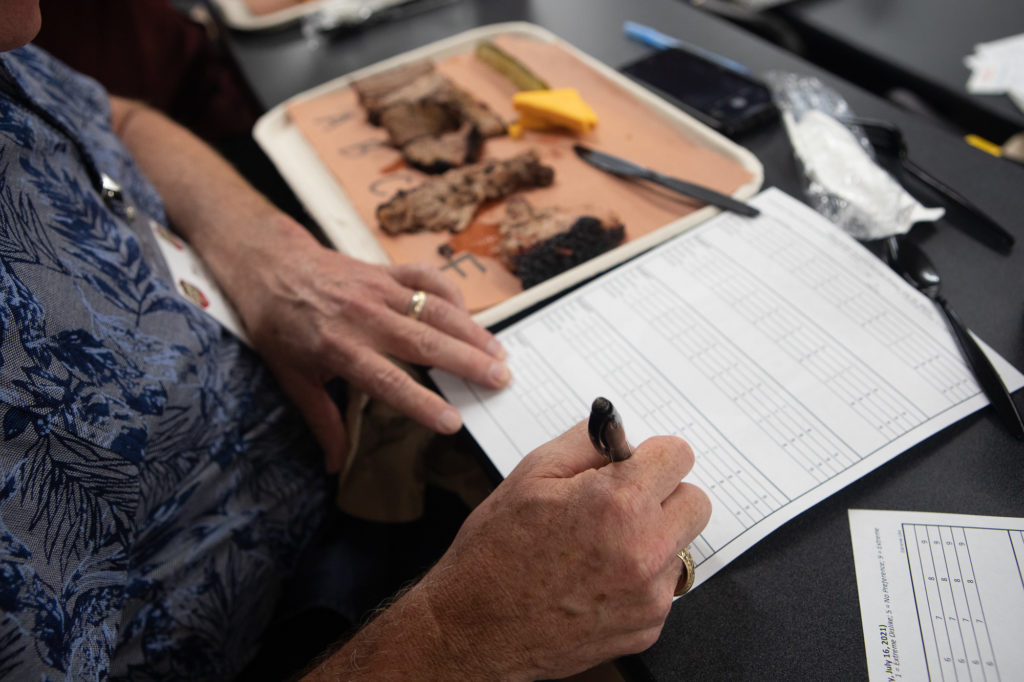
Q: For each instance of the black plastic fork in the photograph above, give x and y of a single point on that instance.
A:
(913, 265)
(887, 139)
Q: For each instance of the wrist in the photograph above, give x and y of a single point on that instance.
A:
(406, 641)
(475, 641)
(232, 250)
(244, 259)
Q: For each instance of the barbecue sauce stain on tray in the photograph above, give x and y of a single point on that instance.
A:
(397, 165)
(479, 238)
(628, 127)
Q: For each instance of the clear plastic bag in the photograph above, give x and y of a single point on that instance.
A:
(843, 182)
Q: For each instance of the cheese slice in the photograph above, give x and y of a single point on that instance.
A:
(563, 107)
(535, 122)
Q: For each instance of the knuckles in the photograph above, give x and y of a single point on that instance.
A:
(671, 446)
(387, 380)
(425, 341)
(622, 503)
(631, 536)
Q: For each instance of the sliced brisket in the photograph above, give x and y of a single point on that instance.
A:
(373, 88)
(450, 201)
(438, 154)
(406, 121)
(415, 100)
(468, 109)
(429, 85)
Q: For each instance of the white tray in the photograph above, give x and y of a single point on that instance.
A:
(327, 203)
(236, 14)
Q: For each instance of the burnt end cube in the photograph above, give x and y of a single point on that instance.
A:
(587, 238)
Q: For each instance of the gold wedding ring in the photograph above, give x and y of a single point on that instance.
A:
(685, 581)
(416, 303)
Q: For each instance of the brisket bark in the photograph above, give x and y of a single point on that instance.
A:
(450, 201)
(539, 244)
(427, 86)
(415, 101)
(407, 121)
(372, 88)
(449, 150)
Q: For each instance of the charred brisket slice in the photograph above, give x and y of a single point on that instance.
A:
(585, 239)
(537, 245)
(372, 88)
(444, 106)
(406, 121)
(394, 99)
(449, 150)
(468, 109)
(427, 86)
(450, 201)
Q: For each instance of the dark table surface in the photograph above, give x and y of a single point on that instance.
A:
(918, 45)
(787, 608)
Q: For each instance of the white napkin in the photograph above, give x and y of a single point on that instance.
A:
(870, 204)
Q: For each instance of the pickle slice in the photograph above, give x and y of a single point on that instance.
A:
(509, 66)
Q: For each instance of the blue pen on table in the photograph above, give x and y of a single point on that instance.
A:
(658, 40)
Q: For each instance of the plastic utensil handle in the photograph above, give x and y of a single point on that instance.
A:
(987, 376)
(704, 194)
(992, 233)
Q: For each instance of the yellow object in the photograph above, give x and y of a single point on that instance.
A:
(984, 145)
(534, 122)
(542, 109)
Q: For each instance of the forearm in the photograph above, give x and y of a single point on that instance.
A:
(221, 215)
(412, 639)
(313, 313)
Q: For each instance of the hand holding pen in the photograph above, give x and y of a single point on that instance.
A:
(587, 547)
(609, 438)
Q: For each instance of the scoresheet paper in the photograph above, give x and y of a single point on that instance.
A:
(791, 359)
(941, 595)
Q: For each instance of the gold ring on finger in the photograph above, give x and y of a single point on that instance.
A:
(416, 304)
(686, 578)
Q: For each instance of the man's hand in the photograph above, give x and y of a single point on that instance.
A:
(315, 314)
(570, 562)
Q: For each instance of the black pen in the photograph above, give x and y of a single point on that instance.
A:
(606, 431)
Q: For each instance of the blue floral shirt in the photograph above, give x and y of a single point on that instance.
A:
(155, 487)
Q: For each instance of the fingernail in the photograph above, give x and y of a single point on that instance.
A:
(496, 349)
(449, 422)
(499, 374)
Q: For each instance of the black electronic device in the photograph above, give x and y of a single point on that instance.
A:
(723, 98)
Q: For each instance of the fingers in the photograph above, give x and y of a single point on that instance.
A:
(456, 322)
(443, 335)
(444, 309)
(430, 280)
(565, 456)
(689, 508)
(320, 414)
(384, 380)
(423, 344)
(658, 464)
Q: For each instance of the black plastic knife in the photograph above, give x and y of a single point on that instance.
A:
(628, 169)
